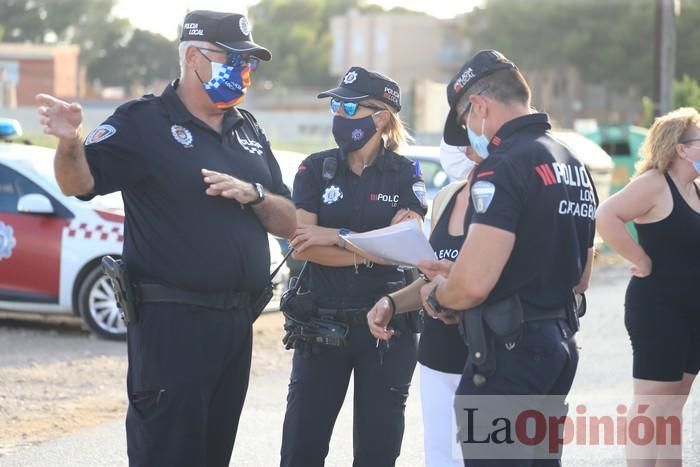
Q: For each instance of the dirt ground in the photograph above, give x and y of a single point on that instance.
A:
(56, 378)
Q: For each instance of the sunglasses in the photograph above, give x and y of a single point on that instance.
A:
(463, 109)
(350, 108)
(688, 141)
(233, 58)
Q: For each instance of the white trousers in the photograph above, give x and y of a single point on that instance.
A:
(437, 392)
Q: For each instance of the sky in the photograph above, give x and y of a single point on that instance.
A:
(164, 16)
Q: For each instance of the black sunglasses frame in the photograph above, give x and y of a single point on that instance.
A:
(232, 58)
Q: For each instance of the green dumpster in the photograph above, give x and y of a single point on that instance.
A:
(622, 142)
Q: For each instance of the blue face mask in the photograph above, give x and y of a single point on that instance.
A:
(696, 164)
(479, 143)
(228, 84)
(352, 134)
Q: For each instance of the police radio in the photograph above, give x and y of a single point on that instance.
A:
(330, 166)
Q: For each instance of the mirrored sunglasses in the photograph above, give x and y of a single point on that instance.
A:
(234, 58)
(350, 108)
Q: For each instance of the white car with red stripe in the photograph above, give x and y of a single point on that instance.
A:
(51, 245)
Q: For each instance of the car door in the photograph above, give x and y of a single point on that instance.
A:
(30, 244)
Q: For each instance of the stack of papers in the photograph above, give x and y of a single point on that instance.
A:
(403, 244)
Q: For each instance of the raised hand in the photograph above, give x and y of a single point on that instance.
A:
(59, 118)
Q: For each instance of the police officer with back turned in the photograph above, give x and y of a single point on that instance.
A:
(201, 191)
(530, 228)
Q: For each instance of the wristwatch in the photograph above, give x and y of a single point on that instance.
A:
(434, 303)
(341, 234)
(261, 194)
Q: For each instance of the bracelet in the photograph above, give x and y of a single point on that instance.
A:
(393, 304)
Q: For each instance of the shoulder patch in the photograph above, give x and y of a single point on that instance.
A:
(100, 133)
(482, 195)
(419, 190)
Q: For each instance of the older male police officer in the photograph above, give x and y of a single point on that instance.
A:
(529, 242)
(201, 190)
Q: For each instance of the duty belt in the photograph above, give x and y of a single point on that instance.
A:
(531, 313)
(218, 299)
(349, 316)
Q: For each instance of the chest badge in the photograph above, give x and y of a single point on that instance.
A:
(7, 241)
(182, 135)
(332, 195)
(482, 195)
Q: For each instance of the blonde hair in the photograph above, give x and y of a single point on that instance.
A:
(659, 148)
(395, 133)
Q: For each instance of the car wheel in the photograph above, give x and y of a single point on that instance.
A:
(98, 306)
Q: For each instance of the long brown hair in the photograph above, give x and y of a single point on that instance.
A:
(659, 148)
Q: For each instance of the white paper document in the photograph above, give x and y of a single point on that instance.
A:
(403, 243)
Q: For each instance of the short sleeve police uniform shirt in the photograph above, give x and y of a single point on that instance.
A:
(532, 185)
(153, 150)
(358, 203)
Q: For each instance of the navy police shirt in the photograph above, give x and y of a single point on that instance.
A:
(532, 185)
(153, 150)
(359, 203)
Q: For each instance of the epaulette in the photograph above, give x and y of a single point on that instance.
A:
(145, 99)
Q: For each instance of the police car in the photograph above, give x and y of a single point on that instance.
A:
(51, 245)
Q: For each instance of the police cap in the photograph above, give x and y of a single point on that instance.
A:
(484, 63)
(359, 84)
(228, 30)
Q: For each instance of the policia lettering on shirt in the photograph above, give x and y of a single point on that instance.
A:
(201, 191)
(528, 248)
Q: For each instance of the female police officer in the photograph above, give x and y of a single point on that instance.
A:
(361, 185)
(442, 353)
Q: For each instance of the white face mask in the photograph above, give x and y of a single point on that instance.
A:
(454, 161)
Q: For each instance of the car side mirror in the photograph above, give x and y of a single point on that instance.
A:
(34, 203)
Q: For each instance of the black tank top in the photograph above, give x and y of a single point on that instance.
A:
(673, 243)
(441, 347)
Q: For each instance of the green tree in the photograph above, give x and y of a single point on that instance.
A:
(686, 93)
(607, 42)
(138, 63)
(298, 35)
(296, 32)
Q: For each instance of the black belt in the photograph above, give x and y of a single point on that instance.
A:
(220, 300)
(349, 316)
(531, 313)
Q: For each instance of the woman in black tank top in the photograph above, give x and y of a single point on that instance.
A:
(662, 313)
(442, 353)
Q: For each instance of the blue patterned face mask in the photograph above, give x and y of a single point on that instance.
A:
(480, 143)
(228, 84)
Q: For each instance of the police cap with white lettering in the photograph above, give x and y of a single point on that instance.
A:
(358, 84)
(228, 30)
(484, 63)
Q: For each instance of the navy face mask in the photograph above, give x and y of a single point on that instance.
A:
(352, 134)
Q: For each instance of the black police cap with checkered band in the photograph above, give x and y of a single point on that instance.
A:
(228, 30)
(484, 63)
(359, 84)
